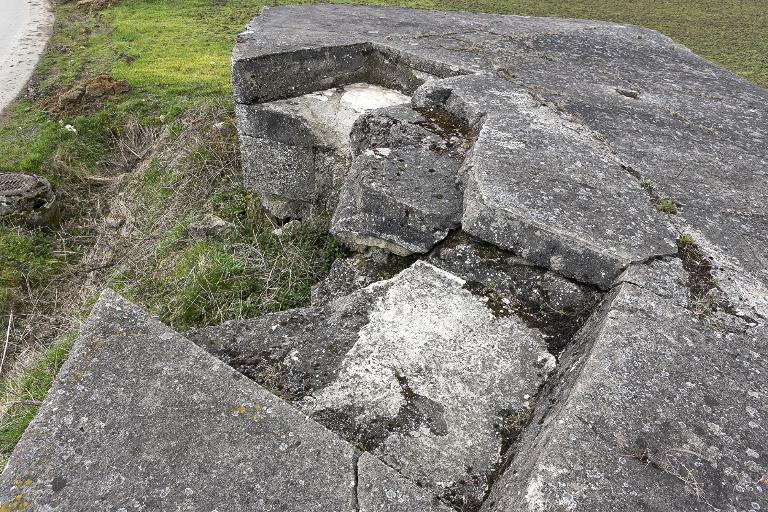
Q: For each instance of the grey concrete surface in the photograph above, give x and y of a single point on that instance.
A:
(142, 419)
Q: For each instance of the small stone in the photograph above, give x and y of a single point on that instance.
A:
(286, 229)
(114, 222)
(628, 93)
(210, 226)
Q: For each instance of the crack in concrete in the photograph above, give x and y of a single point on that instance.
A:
(356, 481)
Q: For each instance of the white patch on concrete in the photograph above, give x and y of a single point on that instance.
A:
(451, 349)
(362, 97)
(332, 112)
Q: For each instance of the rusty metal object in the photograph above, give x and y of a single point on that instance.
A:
(27, 199)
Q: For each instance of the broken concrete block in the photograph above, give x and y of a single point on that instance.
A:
(429, 379)
(571, 117)
(141, 417)
(401, 193)
(543, 186)
(381, 489)
(545, 300)
(418, 370)
(297, 150)
(357, 271)
(655, 410)
(291, 353)
(27, 199)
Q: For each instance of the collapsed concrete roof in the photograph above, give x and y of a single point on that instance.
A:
(581, 131)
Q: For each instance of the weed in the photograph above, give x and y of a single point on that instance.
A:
(22, 394)
(686, 240)
(647, 184)
(666, 205)
(25, 260)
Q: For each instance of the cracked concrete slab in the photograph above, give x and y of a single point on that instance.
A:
(544, 299)
(540, 184)
(420, 370)
(401, 193)
(381, 489)
(140, 418)
(297, 151)
(657, 411)
(431, 374)
(552, 173)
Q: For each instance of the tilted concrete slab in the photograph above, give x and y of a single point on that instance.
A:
(141, 419)
(583, 128)
(401, 192)
(542, 185)
(297, 151)
(431, 376)
(656, 410)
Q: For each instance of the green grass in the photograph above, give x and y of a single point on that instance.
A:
(23, 392)
(25, 261)
(246, 273)
(176, 56)
(183, 47)
(686, 240)
(666, 205)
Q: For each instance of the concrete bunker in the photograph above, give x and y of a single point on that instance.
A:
(340, 139)
(437, 370)
(367, 137)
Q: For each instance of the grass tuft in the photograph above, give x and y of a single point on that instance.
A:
(666, 205)
(21, 394)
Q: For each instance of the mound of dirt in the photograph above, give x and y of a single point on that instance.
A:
(87, 95)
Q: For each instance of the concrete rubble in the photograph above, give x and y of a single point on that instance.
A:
(557, 302)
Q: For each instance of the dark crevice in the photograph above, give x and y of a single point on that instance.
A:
(705, 297)
(510, 429)
(512, 286)
(659, 201)
(553, 392)
(356, 480)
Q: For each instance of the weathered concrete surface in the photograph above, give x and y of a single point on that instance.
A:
(141, 419)
(658, 411)
(294, 352)
(430, 374)
(382, 489)
(538, 183)
(297, 151)
(417, 369)
(571, 117)
(401, 193)
(357, 271)
(545, 300)
(553, 140)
